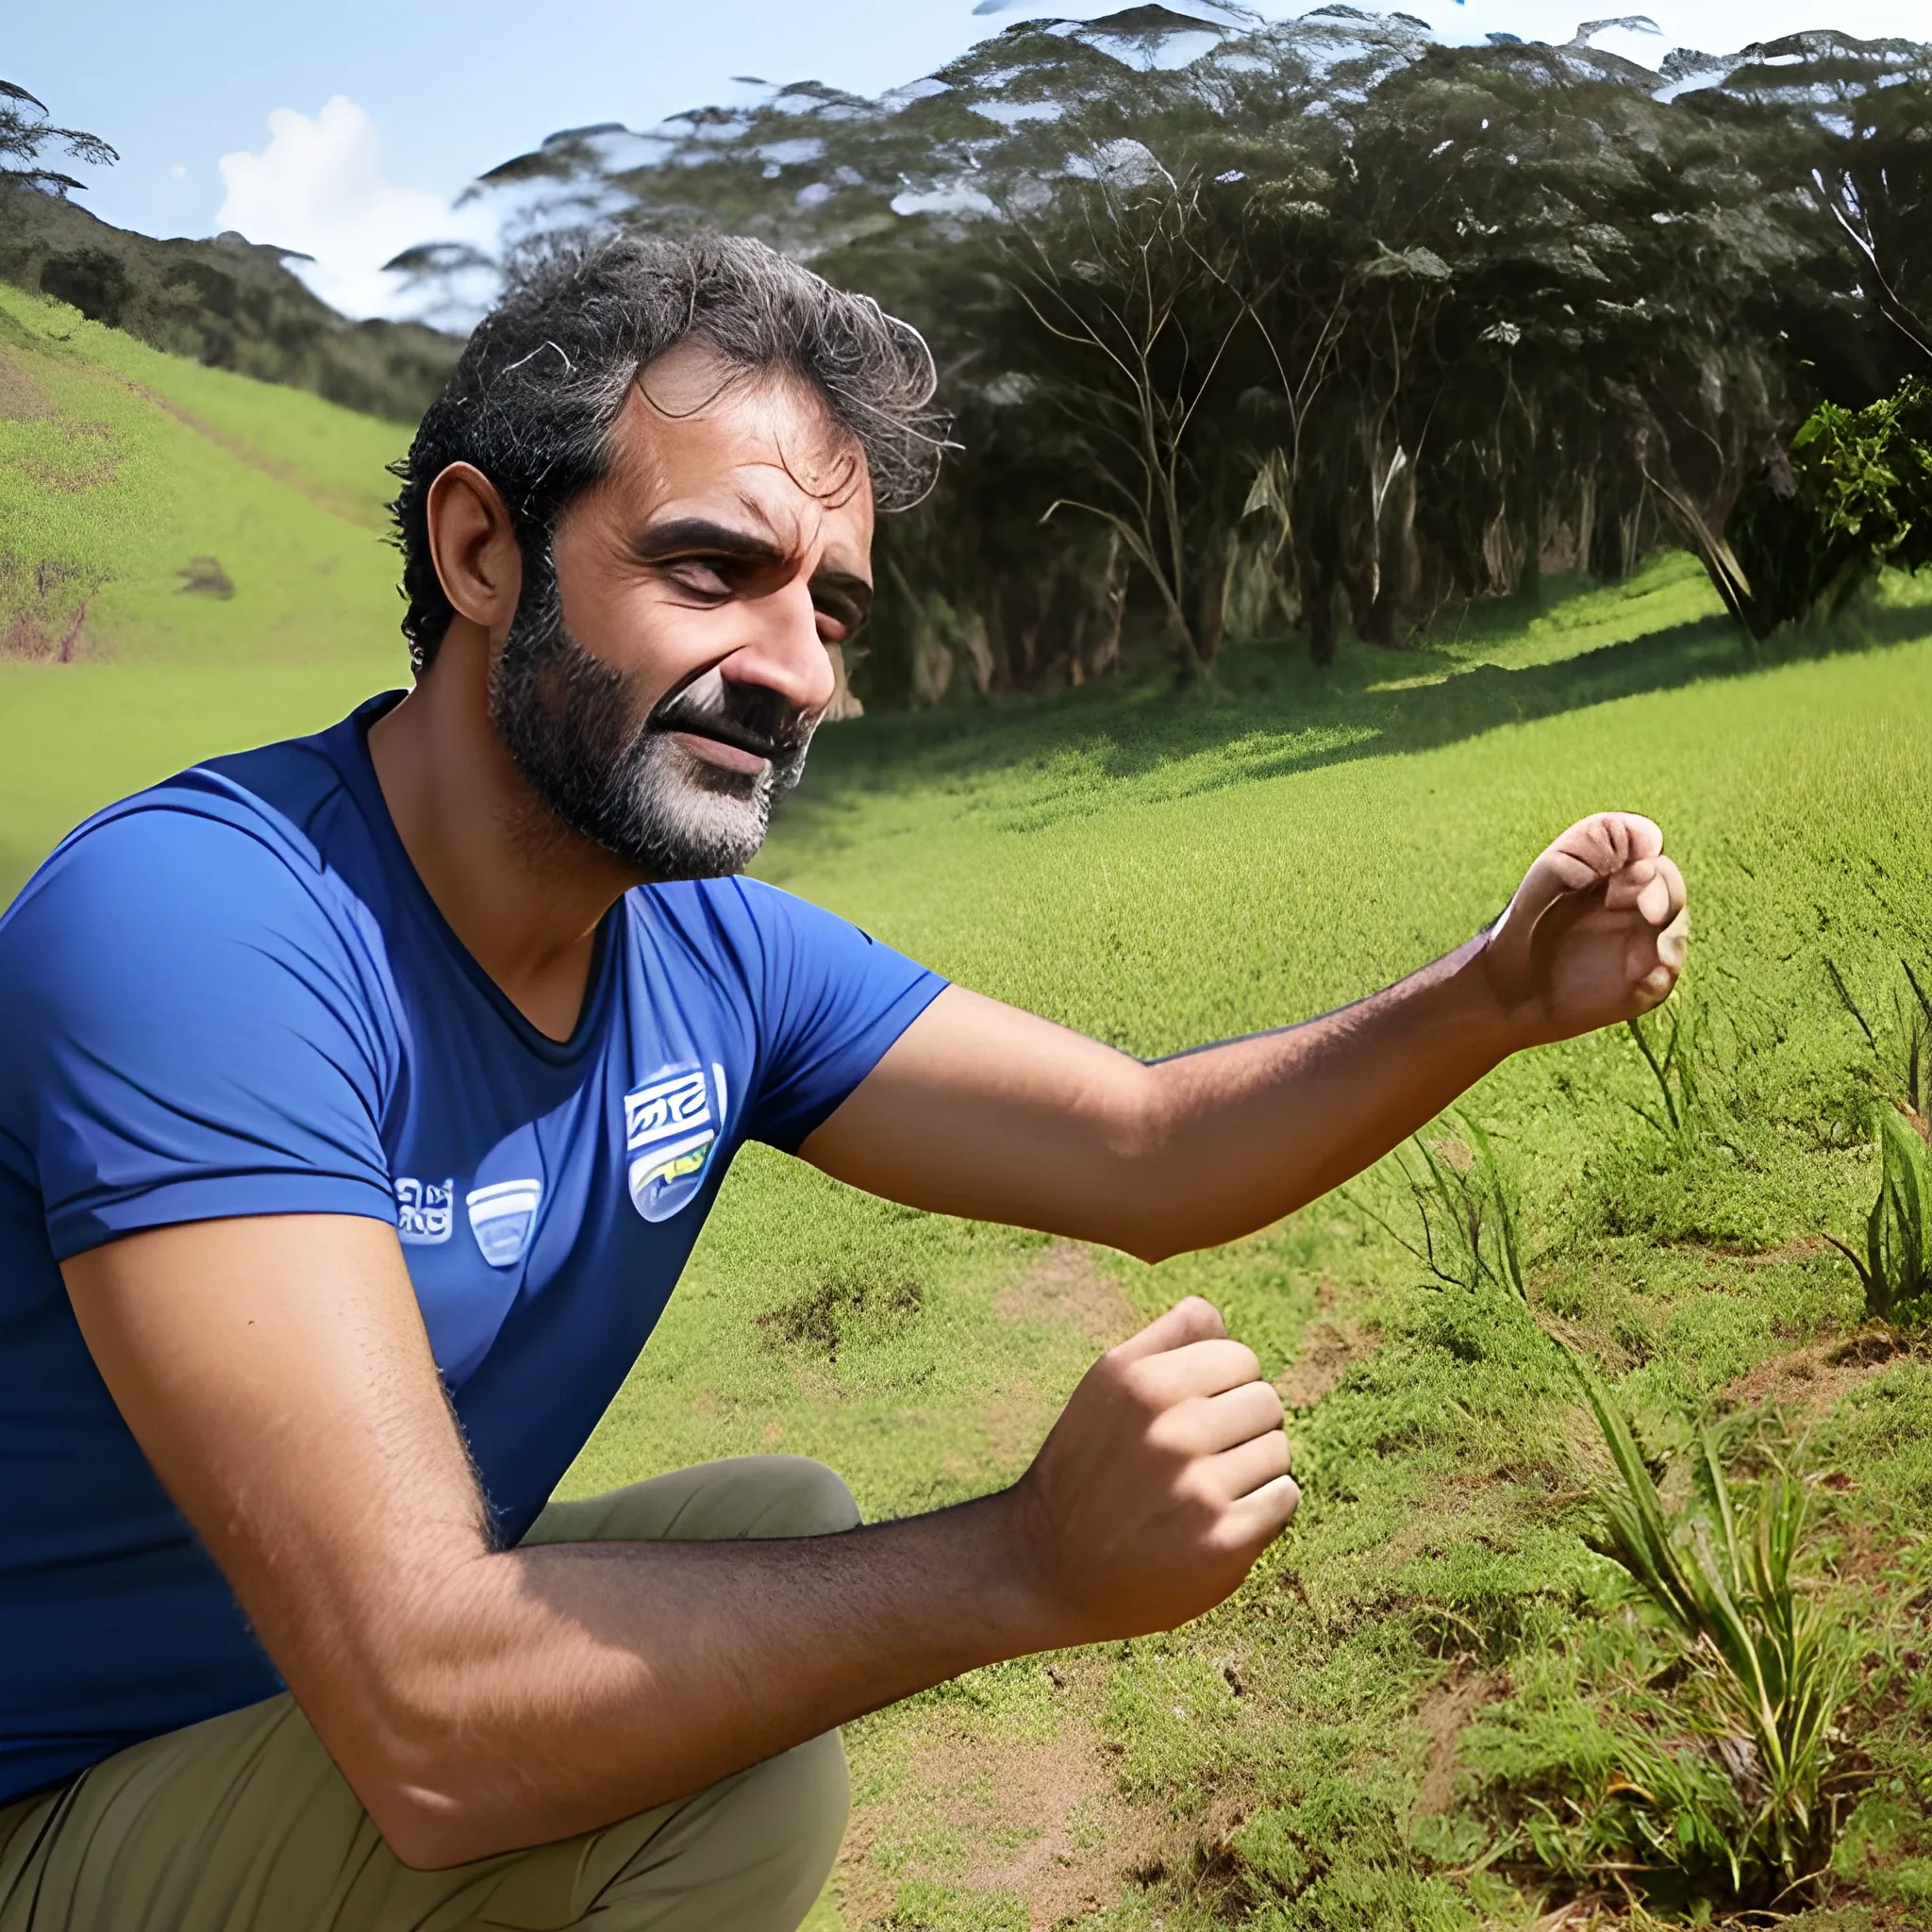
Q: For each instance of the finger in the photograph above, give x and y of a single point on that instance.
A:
(1194, 1319)
(1674, 943)
(1261, 1515)
(1201, 1368)
(1677, 897)
(1637, 837)
(1215, 1422)
(1627, 886)
(1586, 855)
(1611, 841)
(1247, 1467)
(1656, 961)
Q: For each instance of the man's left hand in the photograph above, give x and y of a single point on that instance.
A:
(1595, 934)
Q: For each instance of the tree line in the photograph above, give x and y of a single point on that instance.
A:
(1319, 325)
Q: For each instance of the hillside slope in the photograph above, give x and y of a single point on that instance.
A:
(189, 559)
(225, 301)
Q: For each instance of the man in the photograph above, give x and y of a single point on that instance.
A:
(361, 1098)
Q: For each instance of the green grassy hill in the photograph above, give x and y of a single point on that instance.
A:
(189, 560)
(226, 303)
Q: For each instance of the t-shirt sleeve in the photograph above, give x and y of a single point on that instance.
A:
(190, 1035)
(833, 1000)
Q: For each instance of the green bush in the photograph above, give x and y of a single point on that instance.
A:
(1852, 498)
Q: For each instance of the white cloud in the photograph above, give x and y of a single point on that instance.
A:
(317, 187)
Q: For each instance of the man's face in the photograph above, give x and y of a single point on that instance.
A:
(660, 693)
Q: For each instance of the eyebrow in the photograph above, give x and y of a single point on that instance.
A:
(699, 534)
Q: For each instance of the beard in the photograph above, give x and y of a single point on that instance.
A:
(610, 769)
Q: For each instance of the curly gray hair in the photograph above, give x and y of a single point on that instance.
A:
(532, 402)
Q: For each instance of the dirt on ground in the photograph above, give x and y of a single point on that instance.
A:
(1814, 1377)
(1038, 1819)
(1066, 1286)
(21, 397)
(1441, 1717)
(1329, 1349)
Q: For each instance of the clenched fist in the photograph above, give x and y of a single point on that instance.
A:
(1164, 1478)
(1595, 934)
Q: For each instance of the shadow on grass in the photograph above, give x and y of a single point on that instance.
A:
(1267, 713)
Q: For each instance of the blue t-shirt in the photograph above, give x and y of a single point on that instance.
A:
(232, 996)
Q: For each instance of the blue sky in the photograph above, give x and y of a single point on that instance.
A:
(347, 128)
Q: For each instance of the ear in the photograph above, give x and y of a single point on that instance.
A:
(473, 545)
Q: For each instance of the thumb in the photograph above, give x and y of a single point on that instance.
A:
(1591, 851)
(1194, 1319)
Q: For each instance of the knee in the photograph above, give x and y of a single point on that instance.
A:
(798, 1497)
(804, 1805)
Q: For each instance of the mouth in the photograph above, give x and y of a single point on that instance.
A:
(727, 753)
(721, 740)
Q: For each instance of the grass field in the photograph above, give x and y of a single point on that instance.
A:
(1433, 1649)
(1398, 1723)
(119, 468)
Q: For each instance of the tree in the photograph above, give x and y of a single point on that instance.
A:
(26, 135)
(1248, 325)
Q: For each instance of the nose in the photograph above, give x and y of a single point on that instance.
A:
(784, 651)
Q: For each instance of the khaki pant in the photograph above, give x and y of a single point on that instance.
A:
(242, 1823)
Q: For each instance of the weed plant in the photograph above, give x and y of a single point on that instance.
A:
(1903, 1050)
(1466, 1205)
(1726, 1793)
(1674, 1047)
(1895, 1269)
(1750, 1799)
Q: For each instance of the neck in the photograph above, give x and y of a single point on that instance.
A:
(522, 892)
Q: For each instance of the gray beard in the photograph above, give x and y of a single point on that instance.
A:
(571, 728)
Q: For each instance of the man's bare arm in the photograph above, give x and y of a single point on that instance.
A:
(276, 1373)
(983, 1110)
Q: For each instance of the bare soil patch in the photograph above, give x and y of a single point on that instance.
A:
(21, 397)
(1329, 1349)
(1065, 1285)
(1814, 1377)
(1039, 1819)
(1441, 1716)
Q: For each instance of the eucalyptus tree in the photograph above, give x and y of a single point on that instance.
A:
(1256, 324)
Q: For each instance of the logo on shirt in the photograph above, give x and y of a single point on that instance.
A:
(425, 1211)
(502, 1217)
(669, 1131)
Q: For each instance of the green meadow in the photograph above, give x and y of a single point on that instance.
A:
(1410, 1719)
(123, 473)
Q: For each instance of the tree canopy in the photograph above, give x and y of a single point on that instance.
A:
(1248, 325)
(26, 135)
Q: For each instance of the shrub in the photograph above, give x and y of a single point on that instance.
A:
(1854, 496)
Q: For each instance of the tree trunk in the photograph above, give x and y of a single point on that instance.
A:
(1210, 615)
(1400, 564)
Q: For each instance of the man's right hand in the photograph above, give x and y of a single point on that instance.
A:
(1164, 1479)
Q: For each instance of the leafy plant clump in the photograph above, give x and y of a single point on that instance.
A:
(1854, 497)
(1744, 1807)
(1896, 1269)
